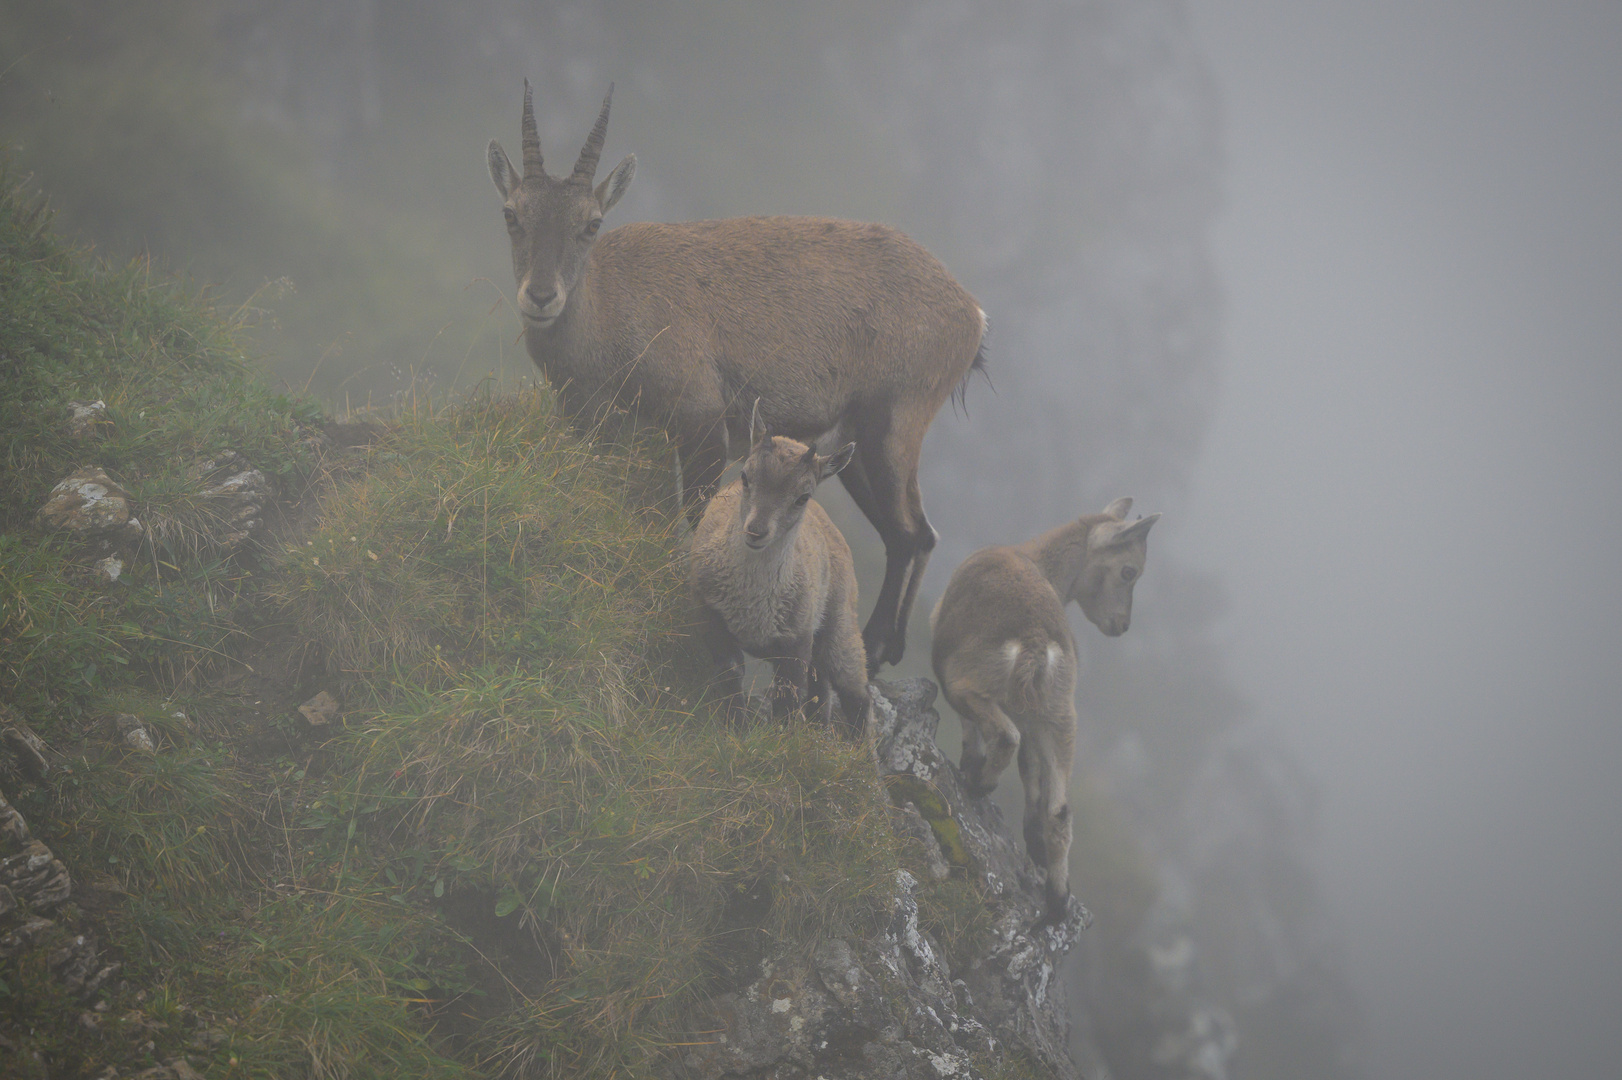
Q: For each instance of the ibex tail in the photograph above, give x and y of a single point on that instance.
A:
(1027, 679)
(960, 394)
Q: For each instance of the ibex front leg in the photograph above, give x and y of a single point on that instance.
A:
(729, 660)
(791, 677)
(883, 482)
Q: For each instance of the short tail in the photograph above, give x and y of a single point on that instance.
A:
(960, 396)
(1027, 679)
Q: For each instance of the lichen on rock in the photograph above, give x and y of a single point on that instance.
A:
(889, 1004)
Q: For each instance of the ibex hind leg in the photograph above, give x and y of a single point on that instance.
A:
(924, 543)
(1055, 740)
(995, 742)
(887, 496)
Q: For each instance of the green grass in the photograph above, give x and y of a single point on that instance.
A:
(525, 848)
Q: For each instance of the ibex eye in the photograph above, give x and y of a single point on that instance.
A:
(512, 218)
(593, 225)
(1128, 573)
(745, 478)
(803, 499)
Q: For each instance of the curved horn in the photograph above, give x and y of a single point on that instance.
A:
(586, 168)
(532, 138)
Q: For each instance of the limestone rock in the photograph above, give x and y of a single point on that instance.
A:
(237, 493)
(36, 875)
(87, 502)
(320, 710)
(136, 736)
(888, 1004)
(36, 758)
(86, 418)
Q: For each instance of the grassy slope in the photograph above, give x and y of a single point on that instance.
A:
(518, 850)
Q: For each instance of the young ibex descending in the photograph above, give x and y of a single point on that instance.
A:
(772, 577)
(843, 332)
(1006, 660)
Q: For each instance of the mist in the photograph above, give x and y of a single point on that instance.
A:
(1335, 291)
(1422, 254)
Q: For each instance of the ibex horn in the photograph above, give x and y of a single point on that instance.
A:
(532, 138)
(586, 167)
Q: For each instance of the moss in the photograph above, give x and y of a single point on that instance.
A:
(933, 809)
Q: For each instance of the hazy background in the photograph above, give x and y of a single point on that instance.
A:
(1336, 292)
(1413, 490)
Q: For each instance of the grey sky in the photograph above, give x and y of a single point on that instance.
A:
(1412, 489)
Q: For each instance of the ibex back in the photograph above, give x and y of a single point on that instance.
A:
(843, 331)
(1006, 660)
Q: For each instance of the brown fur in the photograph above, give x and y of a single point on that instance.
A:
(1006, 660)
(772, 576)
(843, 331)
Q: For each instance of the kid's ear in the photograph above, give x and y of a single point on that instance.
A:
(836, 461)
(1119, 508)
(1136, 531)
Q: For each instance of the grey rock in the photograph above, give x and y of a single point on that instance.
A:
(888, 1004)
(36, 758)
(86, 417)
(19, 938)
(13, 829)
(320, 710)
(36, 876)
(87, 502)
(237, 494)
(136, 736)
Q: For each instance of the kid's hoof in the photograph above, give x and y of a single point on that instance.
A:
(1056, 912)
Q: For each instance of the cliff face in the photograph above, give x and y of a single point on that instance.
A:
(891, 1004)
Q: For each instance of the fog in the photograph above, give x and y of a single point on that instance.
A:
(1336, 290)
(1411, 489)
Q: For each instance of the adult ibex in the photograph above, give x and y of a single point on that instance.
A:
(1006, 660)
(772, 576)
(843, 331)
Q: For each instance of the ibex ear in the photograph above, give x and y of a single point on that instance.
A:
(836, 461)
(501, 169)
(1119, 508)
(616, 183)
(757, 428)
(1130, 533)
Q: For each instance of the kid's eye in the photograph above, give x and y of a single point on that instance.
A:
(745, 478)
(803, 499)
(1128, 573)
(512, 218)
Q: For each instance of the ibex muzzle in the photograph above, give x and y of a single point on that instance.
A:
(1006, 660)
(844, 332)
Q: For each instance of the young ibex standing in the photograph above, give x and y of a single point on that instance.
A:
(1006, 660)
(772, 577)
(843, 332)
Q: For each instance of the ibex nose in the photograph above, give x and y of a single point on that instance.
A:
(754, 533)
(539, 299)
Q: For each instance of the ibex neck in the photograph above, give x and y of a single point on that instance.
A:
(1061, 553)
